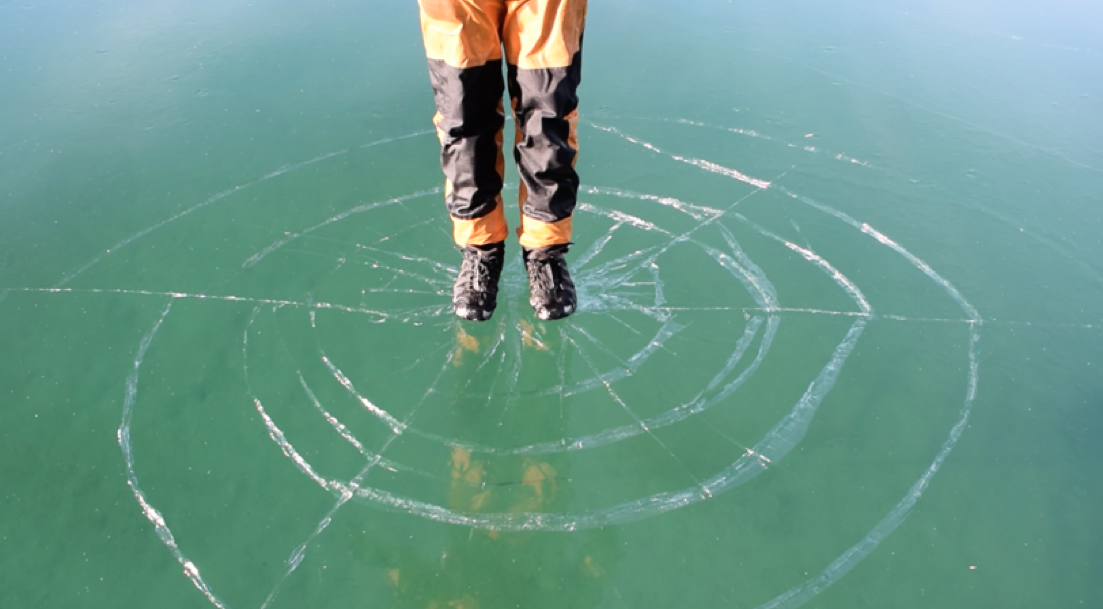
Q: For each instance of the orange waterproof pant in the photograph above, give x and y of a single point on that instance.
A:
(542, 39)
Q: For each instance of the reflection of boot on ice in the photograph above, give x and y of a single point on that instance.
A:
(465, 343)
(488, 568)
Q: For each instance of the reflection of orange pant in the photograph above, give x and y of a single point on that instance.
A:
(543, 50)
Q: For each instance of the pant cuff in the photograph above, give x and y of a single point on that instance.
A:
(534, 233)
(488, 229)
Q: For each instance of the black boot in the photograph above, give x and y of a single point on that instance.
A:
(551, 291)
(475, 294)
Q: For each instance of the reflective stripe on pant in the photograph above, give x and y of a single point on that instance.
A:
(543, 49)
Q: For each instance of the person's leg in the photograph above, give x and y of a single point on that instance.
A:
(463, 45)
(543, 42)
